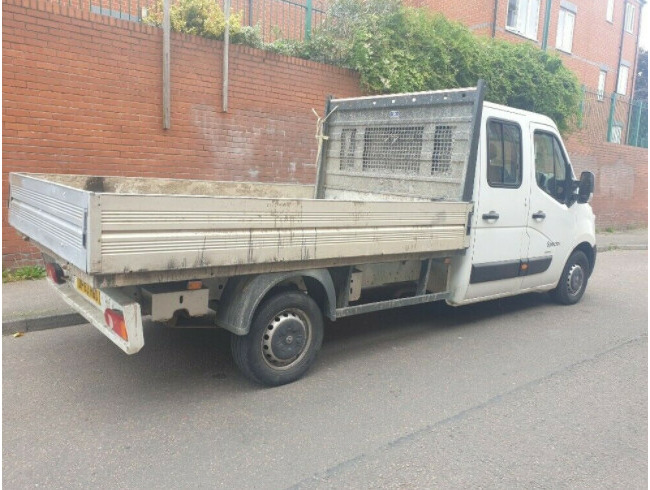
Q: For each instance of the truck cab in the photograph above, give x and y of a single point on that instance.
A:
(528, 219)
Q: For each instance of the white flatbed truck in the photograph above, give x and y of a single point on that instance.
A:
(419, 197)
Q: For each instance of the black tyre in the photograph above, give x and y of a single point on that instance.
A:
(284, 338)
(573, 281)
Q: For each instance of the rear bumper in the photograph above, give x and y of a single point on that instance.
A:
(112, 299)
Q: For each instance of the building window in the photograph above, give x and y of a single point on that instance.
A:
(523, 17)
(621, 85)
(629, 18)
(610, 11)
(601, 84)
(565, 23)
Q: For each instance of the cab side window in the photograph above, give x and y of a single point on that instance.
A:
(504, 154)
(550, 166)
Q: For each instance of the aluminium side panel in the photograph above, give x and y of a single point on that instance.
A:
(157, 233)
(52, 215)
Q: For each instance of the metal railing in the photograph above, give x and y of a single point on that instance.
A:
(613, 118)
(131, 10)
(281, 19)
(276, 19)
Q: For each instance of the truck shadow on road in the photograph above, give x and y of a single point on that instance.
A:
(188, 355)
(402, 326)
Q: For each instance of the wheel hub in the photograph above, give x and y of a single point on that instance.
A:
(285, 339)
(575, 280)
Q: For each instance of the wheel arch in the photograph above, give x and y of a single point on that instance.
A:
(242, 296)
(589, 251)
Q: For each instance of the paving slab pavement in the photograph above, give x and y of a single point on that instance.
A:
(636, 239)
(28, 306)
(35, 305)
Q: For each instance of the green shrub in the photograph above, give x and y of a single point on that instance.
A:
(523, 76)
(286, 47)
(248, 35)
(401, 49)
(199, 17)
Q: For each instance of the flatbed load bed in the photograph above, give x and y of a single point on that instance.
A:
(114, 228)
(394, 182)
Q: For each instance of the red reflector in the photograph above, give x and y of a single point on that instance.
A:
(54, 272)
(115, 320)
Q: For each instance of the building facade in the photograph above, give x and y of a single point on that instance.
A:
(597, 39)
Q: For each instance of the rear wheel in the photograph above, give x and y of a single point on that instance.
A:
(573, 281)
(284, 338)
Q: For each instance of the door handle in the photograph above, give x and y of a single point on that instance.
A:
(539, 215)
(491, 215)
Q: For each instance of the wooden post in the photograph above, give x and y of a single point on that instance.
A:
(166, 66)
(226, 46)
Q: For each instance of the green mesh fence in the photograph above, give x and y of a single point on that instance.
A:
(613, 118)
(276, 19)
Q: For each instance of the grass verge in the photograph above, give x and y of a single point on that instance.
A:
(26, 273)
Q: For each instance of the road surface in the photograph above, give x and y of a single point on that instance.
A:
(511, 393)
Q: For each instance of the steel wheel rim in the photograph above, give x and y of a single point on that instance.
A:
(286, 339)
(575, 280)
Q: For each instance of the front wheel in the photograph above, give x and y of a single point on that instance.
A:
(284, 338)
(573, 281)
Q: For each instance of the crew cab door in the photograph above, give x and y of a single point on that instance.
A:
(550, 219)
(500, 240)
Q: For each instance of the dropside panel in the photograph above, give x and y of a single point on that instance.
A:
(148, 233)
(52, 215)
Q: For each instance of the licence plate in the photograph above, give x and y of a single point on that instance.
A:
(92, 293)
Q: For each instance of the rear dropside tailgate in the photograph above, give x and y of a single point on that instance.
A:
(51, 215)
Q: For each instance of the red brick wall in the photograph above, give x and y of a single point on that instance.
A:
(476, 14)
(621, 194)
(82, 94)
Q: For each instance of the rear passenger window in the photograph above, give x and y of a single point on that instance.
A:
(504, 154)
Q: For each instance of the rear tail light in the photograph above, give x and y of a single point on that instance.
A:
(115, 320)
(54, 272)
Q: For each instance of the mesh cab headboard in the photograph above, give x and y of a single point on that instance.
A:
(413, 146)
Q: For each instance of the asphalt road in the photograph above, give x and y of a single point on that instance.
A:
(512, 393)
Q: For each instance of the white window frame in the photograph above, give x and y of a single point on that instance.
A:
(609, 16)
(528, 26)
(629, 18)
(566, 22)
(602, 77)
(621, 83)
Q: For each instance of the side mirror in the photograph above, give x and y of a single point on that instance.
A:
(586, 187)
